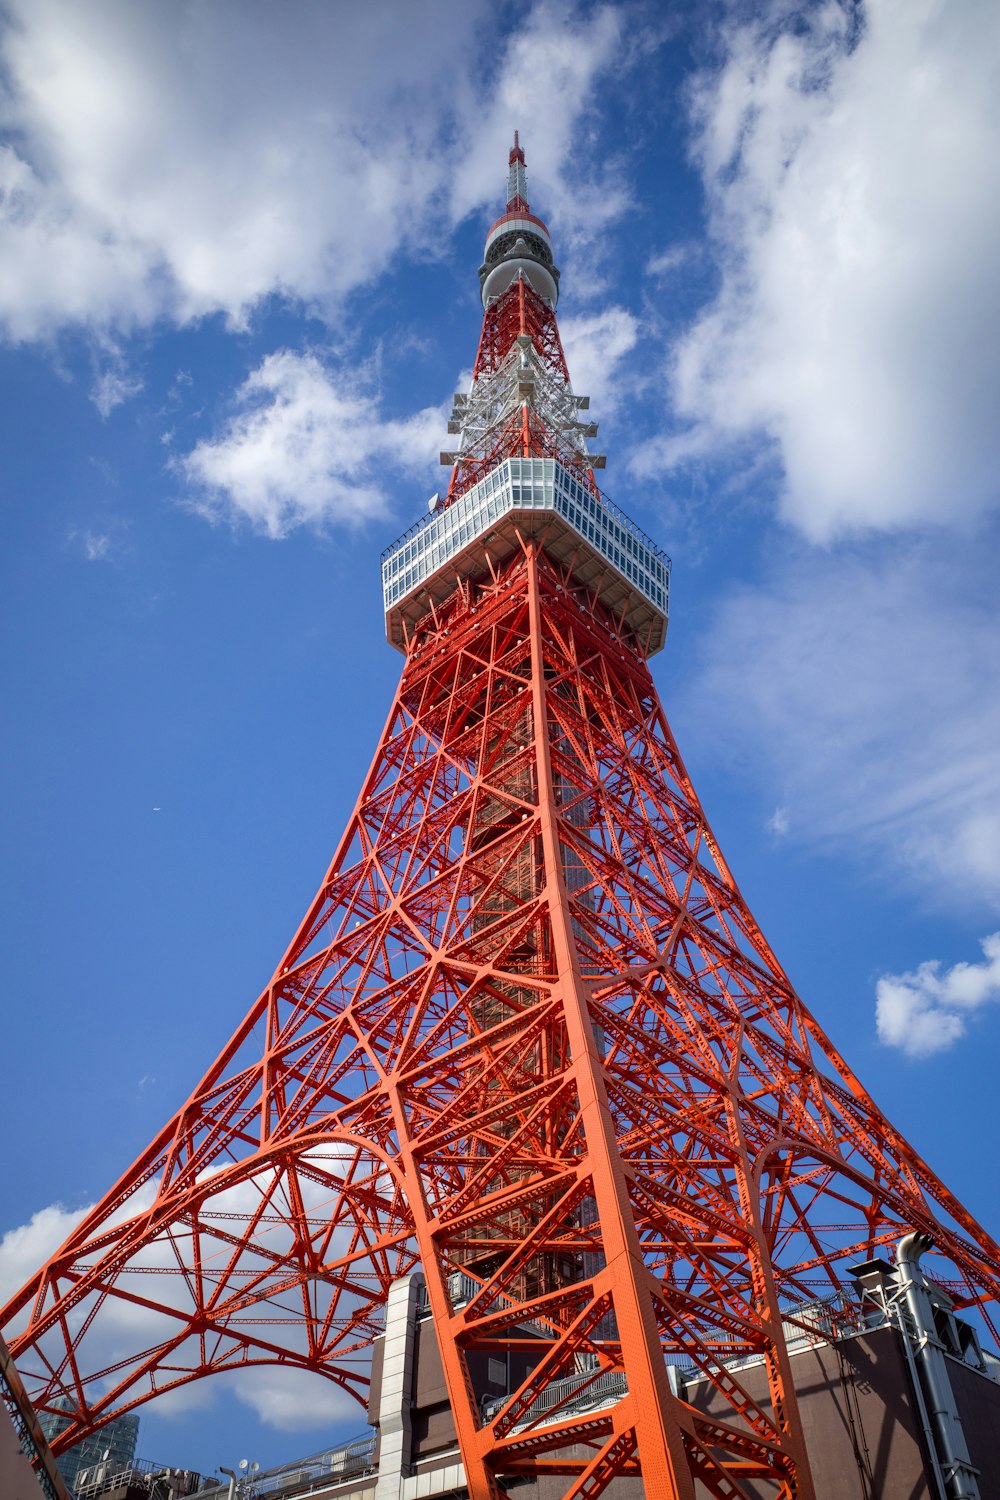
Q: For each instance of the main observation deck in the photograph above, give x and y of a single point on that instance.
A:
(521, 498)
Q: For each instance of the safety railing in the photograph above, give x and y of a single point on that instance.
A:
(525, 484)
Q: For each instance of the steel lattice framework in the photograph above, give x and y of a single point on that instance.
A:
(529, 1036)
(521, 403)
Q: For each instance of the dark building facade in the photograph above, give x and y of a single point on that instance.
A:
(868, 1428)
(116, 1443)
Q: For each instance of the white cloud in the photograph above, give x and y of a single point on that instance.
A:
(177, 160)
(867, 695)
(778, 823)
(283, 1397)
(927, 1011)
(180, 160)
(174, 1405)
(595, 345)
(112, 387)
(25, 1248)
(854, 195)
(306, 446)
(667, 261)
(293, 1400)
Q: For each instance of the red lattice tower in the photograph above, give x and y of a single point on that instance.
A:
(529, 1038)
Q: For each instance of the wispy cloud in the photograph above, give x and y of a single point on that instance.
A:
(96, 546)
(867, 690)
(112, 387)
(306, 446)
(778, 823)
(665, 262)
(849, 160)
(293, 1400)
(596, 345)
(928, 1010)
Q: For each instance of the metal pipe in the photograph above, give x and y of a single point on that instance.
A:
(940, 1488)
(932, 1370)
(232, 1481)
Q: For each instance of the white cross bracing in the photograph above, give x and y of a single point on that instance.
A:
(523, 378)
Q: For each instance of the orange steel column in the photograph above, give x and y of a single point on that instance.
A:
(781, 1385)
(656, 1415)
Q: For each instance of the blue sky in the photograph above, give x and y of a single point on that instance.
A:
(237, 289)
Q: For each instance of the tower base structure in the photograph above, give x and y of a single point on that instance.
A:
(530, 1043)
(855, 1367)
(862, 1403)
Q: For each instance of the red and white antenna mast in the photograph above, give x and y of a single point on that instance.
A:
(521, 403)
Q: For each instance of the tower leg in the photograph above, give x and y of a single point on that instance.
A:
(655, 1411)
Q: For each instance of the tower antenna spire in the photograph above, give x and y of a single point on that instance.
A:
(521, 402)
(517, 178)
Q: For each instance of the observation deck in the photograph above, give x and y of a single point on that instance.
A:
(520, 498)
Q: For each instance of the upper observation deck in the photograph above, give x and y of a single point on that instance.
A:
(542, 499)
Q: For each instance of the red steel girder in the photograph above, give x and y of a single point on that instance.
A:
(519, 310)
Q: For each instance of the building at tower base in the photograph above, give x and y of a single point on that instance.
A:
(113, 1446)
(28, 1471)
(863, 1406)
(866, 1420)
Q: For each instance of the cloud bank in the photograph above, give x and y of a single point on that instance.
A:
(927, 1011)
(851, 161)
(172, 161)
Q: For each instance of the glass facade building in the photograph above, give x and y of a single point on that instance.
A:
(117, 1442)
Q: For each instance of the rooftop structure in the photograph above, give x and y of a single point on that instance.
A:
(114, 1444)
